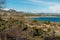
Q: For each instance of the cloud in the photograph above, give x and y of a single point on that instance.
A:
(6, 9)
(45, 3)
(52, 7)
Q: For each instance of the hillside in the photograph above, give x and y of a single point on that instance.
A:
(15, 26)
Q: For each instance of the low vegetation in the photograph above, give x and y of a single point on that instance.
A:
(14, 27)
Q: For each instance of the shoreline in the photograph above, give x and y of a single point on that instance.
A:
(40, 16)
(32, 18)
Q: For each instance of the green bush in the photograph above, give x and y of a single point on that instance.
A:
(46, 22)
(35, 21)
(2, 28)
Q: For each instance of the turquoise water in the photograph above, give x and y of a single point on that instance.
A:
(52, 19)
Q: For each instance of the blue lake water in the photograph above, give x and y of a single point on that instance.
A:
(52, 19)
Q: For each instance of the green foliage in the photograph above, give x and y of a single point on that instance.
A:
(35, 21)
(25, 27)
(49, 29)
(52, 38)
(21, 22)
(46, 22)
(1, 19)
(40, 31)
(37, 31)
(2, 28)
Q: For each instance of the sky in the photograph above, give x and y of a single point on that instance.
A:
(34, 6)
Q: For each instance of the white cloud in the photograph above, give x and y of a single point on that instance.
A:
(5, 9)
(45, 3)
(52, 7)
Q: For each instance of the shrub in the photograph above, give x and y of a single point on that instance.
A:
(35, 21)
(47, 22)
(2, 28)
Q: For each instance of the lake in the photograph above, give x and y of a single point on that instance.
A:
(52, 19)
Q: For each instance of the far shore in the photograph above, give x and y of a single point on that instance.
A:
(40, 16)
